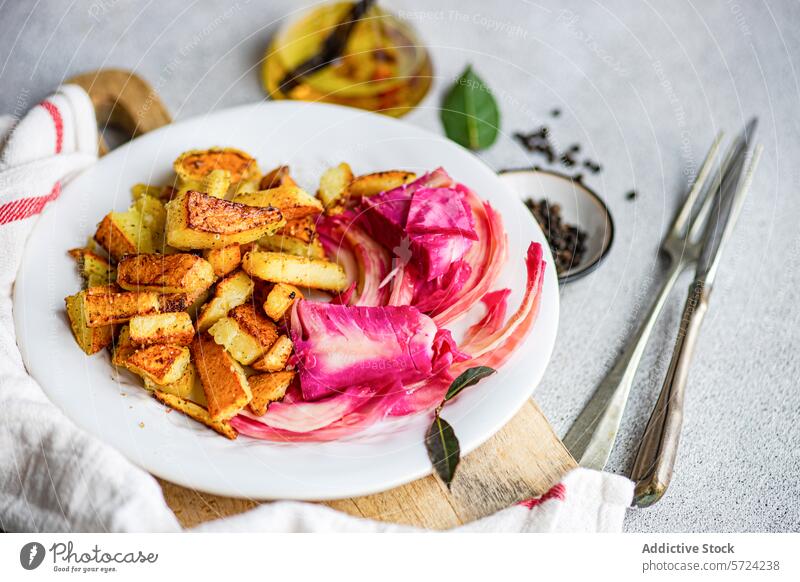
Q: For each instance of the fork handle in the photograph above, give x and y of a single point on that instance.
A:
(652, 469)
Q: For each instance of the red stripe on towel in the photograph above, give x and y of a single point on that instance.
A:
(58, 121)
(557, 491)
(25, 207)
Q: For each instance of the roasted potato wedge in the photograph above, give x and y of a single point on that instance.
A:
(224, 260)
(268, 388)
(188, 386)
(276, 357)
(122, 348)
(286, 244)
(195, 165)
(217, 183)
(178, 273)
(90, 339)
(196, 412)
(108, 306)
(124, 233)
(280, 299)
(372, 184)
(95, 269)
(231, 292)
(224, 382)
(245, 333)
(139, 190)
(293, 202)
(298, 237)
(280, 176)
(160, 363)
(161, 328)
(300, 271)
(333, 185)
(199, 221)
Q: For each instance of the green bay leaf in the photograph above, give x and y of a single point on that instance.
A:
(443, 449)
(467, 379)
(469, 112)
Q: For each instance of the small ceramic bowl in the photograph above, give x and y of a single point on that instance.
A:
(580, 206)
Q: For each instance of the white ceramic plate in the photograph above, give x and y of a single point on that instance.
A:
(310, 137)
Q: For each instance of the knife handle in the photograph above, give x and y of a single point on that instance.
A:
(652, 469)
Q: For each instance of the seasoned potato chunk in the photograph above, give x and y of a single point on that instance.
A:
(232, 291)
(292, 201)
(107, 306)
(197, 164)
(217, 183)
(188, 386)
(161, 328)
(300, 271)
(95, 269)
(196, 412)
(372, 184)
(199, 221)
(124, 233)
(90, 339)
(123, 348)
(245, 333)
(280, 176)
(268, 388)
(224, 260)
(280, 299)
(224, 382)
(276, 357)
(162, 364)
(333, 185)
(178, 273)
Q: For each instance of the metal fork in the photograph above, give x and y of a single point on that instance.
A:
(591, 437)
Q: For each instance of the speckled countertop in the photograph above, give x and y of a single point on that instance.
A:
(643, 87)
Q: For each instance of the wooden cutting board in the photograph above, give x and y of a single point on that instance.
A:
(523, 460)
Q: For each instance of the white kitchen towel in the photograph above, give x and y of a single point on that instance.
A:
(56, 477)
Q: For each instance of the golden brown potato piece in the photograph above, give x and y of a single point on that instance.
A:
(372, 184)
(298, 237)
(300, 271)
(245, 333)
(188, 386)
(107, 306)
(280, 176)
(95, 269)
(197, 164)
(123, 348)
(268, 388)
(232, 291)
(124, 233)
(333, 185)
(90, 339)
(293, 202)
(196, 412)
(217, 183)
(280, 299)
(224, 382)
(224, 260)
(161, 328)
(286, 244)
(199, 221)
(277, 357)
(162, 364)
(178, 273)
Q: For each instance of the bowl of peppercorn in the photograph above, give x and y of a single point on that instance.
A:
(575, 220)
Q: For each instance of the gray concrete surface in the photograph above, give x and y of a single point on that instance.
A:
(643, 86)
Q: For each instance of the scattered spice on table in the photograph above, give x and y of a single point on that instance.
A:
(593, 167)
(567, 241)
(555, 112)
(631, 195)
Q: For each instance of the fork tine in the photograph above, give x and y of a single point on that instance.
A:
(697, 227)
(682, 217)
